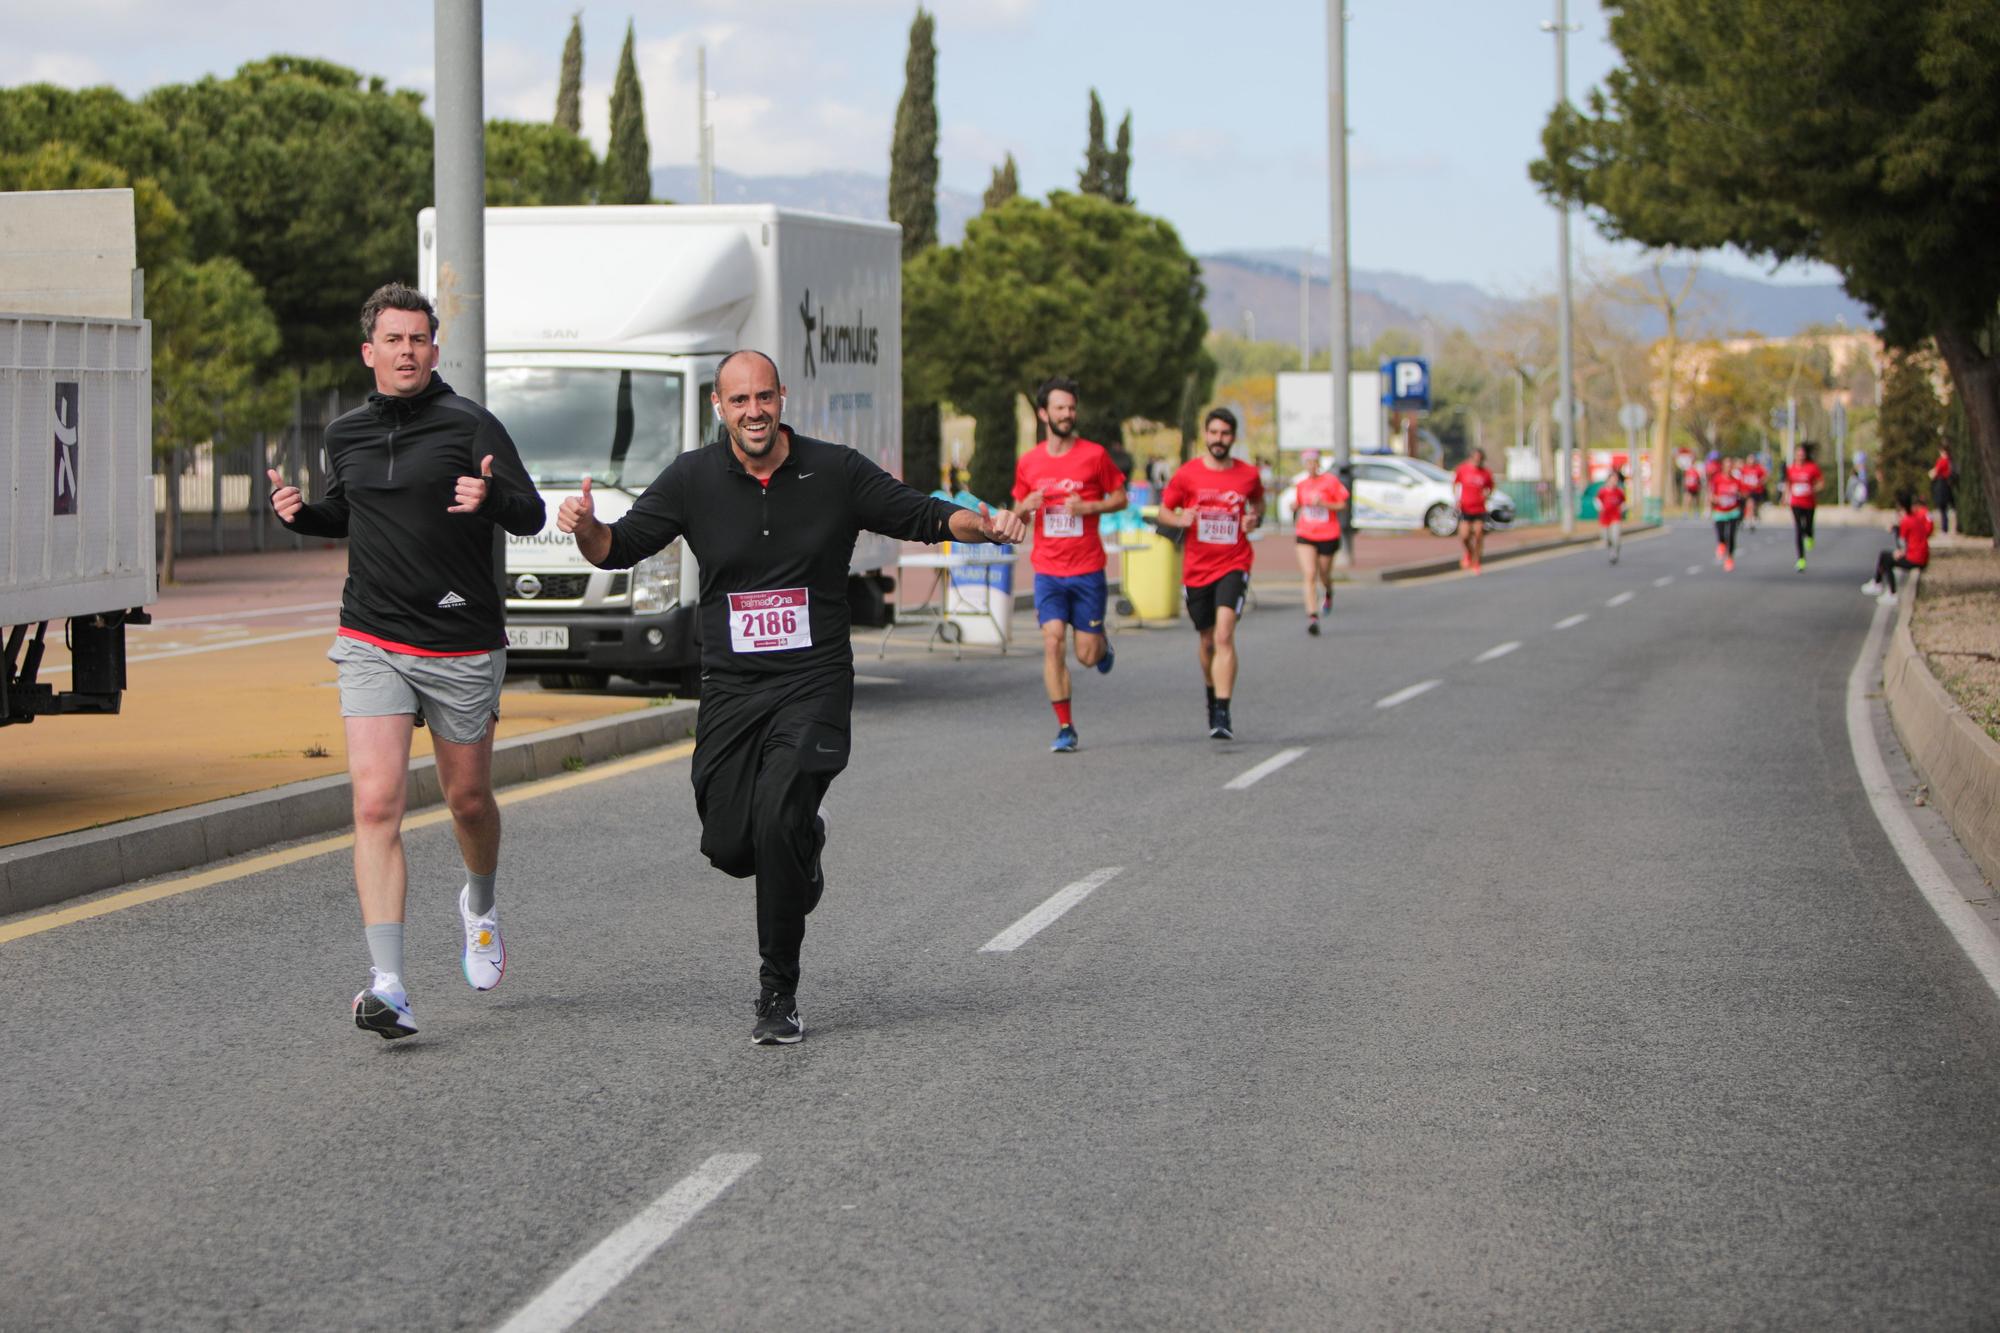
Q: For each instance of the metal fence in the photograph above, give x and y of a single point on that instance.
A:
(225, 497)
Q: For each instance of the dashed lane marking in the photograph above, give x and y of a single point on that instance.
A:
(1571, 622)
(590, 1279)
(1663, 580)
(1621, 598)
(1061, 901)
(1693, 570)
(1264, 770)
(1407, 693)
(1498, 651)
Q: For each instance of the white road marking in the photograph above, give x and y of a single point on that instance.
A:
(1571, 622)
(1061, 901)
(1694, 569)
(249, 615)
(613, 1259)
(1964, 924)
(1407, 693)
(323, 631)
(1498, 651)
(1622, 598)
(1663, 580)
(860, 679)
(1263, 770)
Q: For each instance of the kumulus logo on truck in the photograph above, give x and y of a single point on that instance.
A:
(853, 344)
(68, 430)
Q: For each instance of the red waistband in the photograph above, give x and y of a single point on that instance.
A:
(345, 633)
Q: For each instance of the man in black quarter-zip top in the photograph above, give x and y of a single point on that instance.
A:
(772, 518)
(417, 479)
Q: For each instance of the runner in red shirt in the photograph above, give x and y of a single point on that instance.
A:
(1942, 491)
(1725, 506)
(1470, 485)
(1802, 480)
(1321, 497)
(1060, 487)
(1218, 502)
(1753, 475)
(1611, 512)
(1913, 535)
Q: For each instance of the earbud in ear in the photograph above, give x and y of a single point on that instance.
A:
(781, 404)
(717, 409)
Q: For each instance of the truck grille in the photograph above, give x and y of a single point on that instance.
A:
(550, 587)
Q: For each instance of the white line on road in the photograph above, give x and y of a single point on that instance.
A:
(1498, 651)
(1964, 924)
(1663, 580)
(1407, 693)
(1571, 622)
(1263, 770)
(1061, 901)
(251, 615)
(1622, 598)
(1694, 569)
(322, 632)
(613, 1259)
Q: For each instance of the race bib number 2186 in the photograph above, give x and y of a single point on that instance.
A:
(769, 622)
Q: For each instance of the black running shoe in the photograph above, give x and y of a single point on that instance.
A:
(1218, 724)
(1312, 626)
(778, 1021)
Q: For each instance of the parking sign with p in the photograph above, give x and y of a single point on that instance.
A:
(1406, 383)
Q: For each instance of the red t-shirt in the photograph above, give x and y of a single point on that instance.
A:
(1610, 504)
(1942, 468)
(1725, 495)
(1321, 498)
(1475, 483)
(1067, 544)
(1753, 476)
(1915, 530)
(1217, 541)
(1802, 485)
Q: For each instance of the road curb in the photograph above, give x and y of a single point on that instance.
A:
(1426, 568)
(1949, 751)
(52, 870)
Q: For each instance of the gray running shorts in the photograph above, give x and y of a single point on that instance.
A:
(456, 697)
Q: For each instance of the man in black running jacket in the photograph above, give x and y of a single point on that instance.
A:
(418, 477)
(772, 517)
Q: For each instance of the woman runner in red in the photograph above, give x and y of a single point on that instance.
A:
(1321, 498)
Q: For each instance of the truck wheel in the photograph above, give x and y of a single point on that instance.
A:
(1441, 519)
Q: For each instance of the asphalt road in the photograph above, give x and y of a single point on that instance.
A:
(1579, 990)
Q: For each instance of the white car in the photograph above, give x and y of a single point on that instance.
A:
(1394, 493)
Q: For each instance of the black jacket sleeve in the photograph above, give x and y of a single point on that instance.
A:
(511, 498)
(326, 518)
(885, 505)
(655, 518)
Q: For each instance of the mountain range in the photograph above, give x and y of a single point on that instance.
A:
(1256, 292)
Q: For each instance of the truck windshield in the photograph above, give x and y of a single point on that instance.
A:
(617, 427)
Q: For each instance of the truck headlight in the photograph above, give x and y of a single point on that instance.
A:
(656, 582)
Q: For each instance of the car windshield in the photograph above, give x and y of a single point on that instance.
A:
(1431, 470)
(618, 427)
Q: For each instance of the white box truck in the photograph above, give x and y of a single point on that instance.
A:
(76, 427)
(604, 326)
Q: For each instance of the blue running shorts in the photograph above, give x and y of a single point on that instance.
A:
(1077, 600)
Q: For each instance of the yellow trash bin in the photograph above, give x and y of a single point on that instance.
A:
(1152, 577)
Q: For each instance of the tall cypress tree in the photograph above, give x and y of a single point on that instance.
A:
(913, 179)
(1095, 178)
(913, 153)
(569, 94)
(1006, 184)
(1118, 170)
(628, 174)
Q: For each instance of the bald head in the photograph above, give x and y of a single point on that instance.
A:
(742, 356)
(749, 398)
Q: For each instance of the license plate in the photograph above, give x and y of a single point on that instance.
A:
(538, 638)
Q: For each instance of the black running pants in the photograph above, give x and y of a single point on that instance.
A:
(1725, 534)
(1886, 566)
(764, 756)
(1802, 528)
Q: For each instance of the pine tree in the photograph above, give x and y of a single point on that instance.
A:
(569, 95)
(1006, 184)
(1095, 178)
(913, 153)
(1118, 171)
(628, 175)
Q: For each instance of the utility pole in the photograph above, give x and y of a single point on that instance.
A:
(1337, 355)
(459, 177)
(1566, 391)
(704, 133)
(1305, 317)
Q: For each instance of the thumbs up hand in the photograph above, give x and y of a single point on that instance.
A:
(579, 511)
(285, 499)
(471, 491)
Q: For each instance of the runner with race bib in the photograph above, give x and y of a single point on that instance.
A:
(1321, 497)
(1062, 485)
(772, 519)
(1802, 481)
(1217, 501)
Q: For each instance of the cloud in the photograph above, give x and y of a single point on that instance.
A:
(69, 69)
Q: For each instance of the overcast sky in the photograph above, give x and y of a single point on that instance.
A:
(1446, 97)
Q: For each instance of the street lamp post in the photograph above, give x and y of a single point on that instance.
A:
(1337, 333)
(1566, 391)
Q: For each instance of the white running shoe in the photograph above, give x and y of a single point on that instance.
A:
(384, 1008)
(485, 956)
(1886, 599)
(1872, 588)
